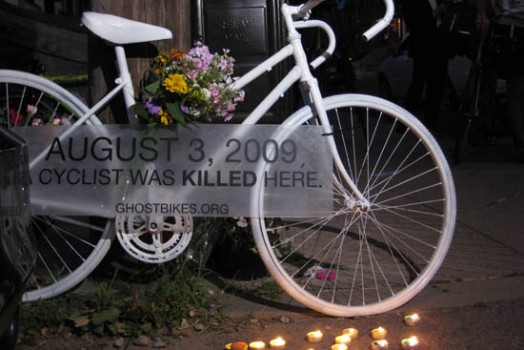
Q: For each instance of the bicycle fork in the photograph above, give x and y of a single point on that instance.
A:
(354, 200)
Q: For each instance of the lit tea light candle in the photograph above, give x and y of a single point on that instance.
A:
(379, 344)
(239, 345)
(412, 320)
(314, 336)
(343, 339)
(277, 343)
(379, 333)
(257, 345)
(339, 347)
(409, 343)
(352, 332)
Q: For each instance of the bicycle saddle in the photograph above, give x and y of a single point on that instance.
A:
(118, 30)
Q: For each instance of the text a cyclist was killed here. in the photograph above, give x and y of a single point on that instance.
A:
(104, 151)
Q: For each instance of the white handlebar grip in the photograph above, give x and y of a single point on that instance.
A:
(382, 23)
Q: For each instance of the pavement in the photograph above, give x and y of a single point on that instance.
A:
(485, 262)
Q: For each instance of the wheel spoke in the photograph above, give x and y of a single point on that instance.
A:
(371, 254)
(69, 248)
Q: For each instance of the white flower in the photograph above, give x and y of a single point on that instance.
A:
(312, 271)
(242, 222)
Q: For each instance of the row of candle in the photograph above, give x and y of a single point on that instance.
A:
(341, 341)
(277, 343)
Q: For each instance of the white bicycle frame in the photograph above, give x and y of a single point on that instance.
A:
(295, 17)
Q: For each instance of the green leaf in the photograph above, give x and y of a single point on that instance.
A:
(105, 316)
(176, 113)
(141, 111)
(153, 87)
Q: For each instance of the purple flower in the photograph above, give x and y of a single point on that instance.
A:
(152, 108)
(239, 97)
(224, 64)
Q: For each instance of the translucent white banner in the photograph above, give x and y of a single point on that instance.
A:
(204, 170)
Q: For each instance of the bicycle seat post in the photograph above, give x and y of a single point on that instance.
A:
(125, 78)
(120, 31)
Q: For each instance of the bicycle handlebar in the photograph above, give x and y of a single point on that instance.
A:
(382, 23)
(305, 9)
(331, 39)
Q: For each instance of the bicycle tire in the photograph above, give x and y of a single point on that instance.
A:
(69, 248)
(366, 262)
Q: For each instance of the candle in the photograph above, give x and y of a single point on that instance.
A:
(314, 336)
(239, 345)
(409, 343)
(352, 332)
(257, 345)
(339, 347)
(277, 343)
(379, 333)
(343, 339)
(411, 320)
(379, 344)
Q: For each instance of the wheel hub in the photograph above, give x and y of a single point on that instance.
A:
(154, 239)
(354, 205)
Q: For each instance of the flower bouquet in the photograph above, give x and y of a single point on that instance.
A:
(183, 87)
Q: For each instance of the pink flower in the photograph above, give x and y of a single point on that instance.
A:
(324, 275)
(192, 74)
(214, 91)
(31, 110)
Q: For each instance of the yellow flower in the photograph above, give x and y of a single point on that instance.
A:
(162, 58)
(163, 117)
(175, 83)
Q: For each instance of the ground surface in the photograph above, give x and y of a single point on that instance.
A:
(488, 326)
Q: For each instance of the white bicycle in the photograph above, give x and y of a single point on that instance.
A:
(393, 192)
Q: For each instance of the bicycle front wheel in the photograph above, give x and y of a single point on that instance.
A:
(372, 255)
(69, 248)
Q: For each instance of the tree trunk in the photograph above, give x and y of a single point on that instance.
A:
(174, 15)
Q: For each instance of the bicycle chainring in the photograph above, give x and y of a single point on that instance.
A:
(154, 239)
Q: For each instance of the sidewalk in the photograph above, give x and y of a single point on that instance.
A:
(476, 300)
(486, 260)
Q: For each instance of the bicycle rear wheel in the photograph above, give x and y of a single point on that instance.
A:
(69, 248)
(375, 259)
